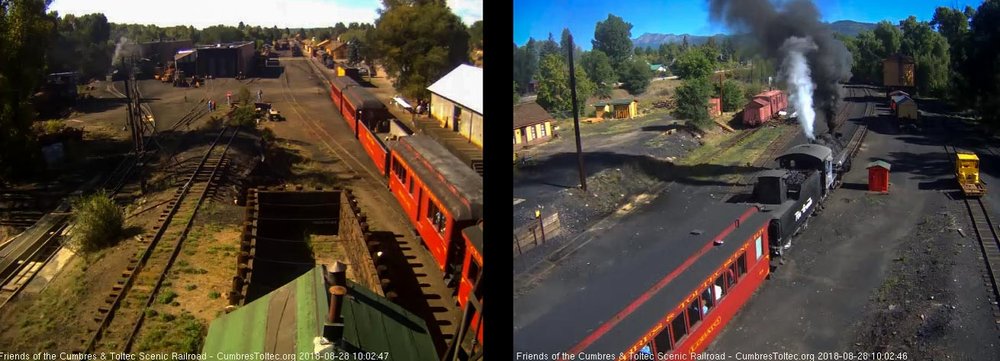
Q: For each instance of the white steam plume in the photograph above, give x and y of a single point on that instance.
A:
(796, 72)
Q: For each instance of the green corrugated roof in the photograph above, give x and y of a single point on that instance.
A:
(289, 318)
(614, 102)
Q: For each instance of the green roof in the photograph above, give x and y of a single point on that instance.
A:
(614, 102)
(288, 319)
(655, 67)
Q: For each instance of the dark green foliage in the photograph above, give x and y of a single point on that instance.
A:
(419, 44)
(26, 34)
(694, 64)
(613, 36)
(692, 100)
(517, 97)
(732, 96)
(984, 61)
(636, 78)
(598, 68)
(549, 46)
(525, 64)
(97, 222)
(244, 115)
(476, 35)
(553, 87)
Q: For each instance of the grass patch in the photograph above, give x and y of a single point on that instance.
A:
(166, 297)
(213, 295)
(191, 287)
(170, 333)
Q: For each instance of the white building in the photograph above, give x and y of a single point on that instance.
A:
(457, 102)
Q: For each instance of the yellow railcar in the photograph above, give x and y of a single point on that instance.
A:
(967, 173)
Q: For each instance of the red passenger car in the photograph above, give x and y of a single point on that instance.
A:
(337, 87)
(440, 195)
(655, 292)
(470, 295)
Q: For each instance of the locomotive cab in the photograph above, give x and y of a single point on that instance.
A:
(810, 157)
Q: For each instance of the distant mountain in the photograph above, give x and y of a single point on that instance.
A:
(653, 40)
(851, 28)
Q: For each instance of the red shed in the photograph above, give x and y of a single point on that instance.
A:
(714, 106)
(878, 176)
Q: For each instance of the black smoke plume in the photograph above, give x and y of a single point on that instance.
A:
(771, 26)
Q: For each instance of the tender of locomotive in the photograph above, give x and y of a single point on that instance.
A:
(794, 191)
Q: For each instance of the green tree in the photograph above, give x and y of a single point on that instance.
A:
(637, 77)
(553, 86)
(732, 95)
(245, 115)
(889, 37)
(517, 97)
(984, 57)
(419, 44)
(954, 26)
(598, 68)
(476, 35)
(613, 36)
(338, 29)
(549, 46)
(692, 101)
(930, 53)
(694, 64)
(27, 31)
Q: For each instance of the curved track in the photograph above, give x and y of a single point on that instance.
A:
(120, 319)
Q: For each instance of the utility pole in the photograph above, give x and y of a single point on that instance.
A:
(576, 116)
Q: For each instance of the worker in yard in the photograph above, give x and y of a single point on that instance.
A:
(260, 95)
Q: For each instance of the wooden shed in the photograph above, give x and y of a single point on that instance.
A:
(897, 71)
(617, 109)
(904, 107)
(714, 107)
(878, 176)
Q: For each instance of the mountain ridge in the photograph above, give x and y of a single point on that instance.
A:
(652, 40)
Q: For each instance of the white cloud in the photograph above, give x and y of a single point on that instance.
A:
(469, 10)
(201, 13)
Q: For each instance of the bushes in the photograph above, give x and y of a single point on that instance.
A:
(692, 101)
(244, 115)
(97, 222)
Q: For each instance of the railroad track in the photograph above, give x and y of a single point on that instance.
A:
(859, 135)
(989, 242)
(373, 180)
(119, 319)
(19, 270)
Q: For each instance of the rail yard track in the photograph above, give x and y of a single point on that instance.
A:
(119, 320)
(440, 304)
(989, 242)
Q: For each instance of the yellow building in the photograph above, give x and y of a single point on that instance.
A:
(897, 71)
(618, 108)
(457, 102)
(532, 124)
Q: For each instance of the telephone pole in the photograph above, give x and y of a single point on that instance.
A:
(576, 116)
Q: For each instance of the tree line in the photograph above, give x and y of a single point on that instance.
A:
(614, 60)
(416, 41)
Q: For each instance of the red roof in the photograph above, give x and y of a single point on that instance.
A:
(757, 103)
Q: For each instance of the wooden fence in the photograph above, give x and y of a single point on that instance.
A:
(536, 233)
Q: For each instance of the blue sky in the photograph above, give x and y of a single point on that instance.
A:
(267, 13)
(538, 18)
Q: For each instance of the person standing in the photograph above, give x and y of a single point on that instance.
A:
(260, 95)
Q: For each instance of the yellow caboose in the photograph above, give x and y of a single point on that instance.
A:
(967, 173)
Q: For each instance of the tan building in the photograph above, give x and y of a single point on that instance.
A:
(457, 102)
(618, 108)
(532, 124)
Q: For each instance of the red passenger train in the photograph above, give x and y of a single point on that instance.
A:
(441, 197)
(657, 293)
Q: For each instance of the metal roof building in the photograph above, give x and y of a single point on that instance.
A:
(457, 102)
(291, 320)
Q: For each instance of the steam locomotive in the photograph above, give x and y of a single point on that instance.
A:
(796, 190)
